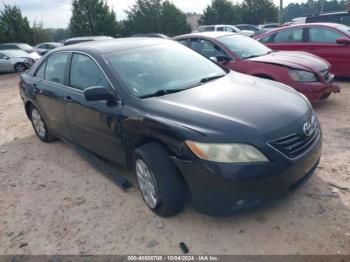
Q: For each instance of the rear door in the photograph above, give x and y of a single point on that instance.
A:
(94, 125)
(48, 85)
(321, 41)
(288, 39)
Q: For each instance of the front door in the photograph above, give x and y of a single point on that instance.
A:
(5, 64)
(94, 125)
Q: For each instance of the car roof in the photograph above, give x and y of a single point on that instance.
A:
(114, 45)
(13, 44)
(214, 34)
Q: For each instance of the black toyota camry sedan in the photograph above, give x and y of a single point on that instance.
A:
(178, 120)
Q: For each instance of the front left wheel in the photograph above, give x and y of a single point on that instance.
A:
(161, 186)
(40, 126)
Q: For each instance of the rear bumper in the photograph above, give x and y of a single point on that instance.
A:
(222, 189)
(315, 91)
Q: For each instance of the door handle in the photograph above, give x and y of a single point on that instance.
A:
(68, 99)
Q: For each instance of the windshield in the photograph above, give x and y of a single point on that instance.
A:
(344, 29)
(244, 46)
(25, 47)
(14, 53)
(162, 69)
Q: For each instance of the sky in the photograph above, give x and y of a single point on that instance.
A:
(56, 13)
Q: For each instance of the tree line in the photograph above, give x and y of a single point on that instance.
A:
(95, 17)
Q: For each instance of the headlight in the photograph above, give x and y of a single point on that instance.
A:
(227, 153)
(302, 76)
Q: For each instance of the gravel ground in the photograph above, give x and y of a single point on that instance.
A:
(53, 202)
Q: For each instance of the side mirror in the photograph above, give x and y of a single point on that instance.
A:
(343, 41)
(223, 58)
(98, 93)
(214, 59)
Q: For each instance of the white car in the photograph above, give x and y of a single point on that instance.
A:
(225, 28)
(14, 60)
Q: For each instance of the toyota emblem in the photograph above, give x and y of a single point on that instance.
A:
(307, 128)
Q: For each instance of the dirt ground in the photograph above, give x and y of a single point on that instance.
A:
(53, 202)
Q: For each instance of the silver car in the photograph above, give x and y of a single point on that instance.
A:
(13, 60)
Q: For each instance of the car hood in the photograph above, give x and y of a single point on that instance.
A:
(236, 105)
(295, 60)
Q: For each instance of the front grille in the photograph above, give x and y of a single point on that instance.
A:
(294, 145)
(325, 75)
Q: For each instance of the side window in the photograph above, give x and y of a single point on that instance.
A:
(220, 28)
(345, 20)
(85, 73)
(206, 48)
(55, 67)
(267, 39)
(229, 29)
(41, 71)
(44, 46)
(183, 41)
(289, 36)
(208, 28)
(323, 35)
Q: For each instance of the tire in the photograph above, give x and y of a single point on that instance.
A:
(39, 125)
(20, 68)
(169, 186)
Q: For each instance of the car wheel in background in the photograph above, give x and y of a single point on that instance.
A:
(39, 125)
(20, 67)
(160, 184)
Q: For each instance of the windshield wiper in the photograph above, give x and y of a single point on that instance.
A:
(210, 78)
(253, 56)
(163, 92)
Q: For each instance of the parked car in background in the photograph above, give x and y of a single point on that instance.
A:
(21, 46)
(266, 28)
(335, 17)
(14, 60)
(326, 40)
(225, 28)
(248, 27)
(179, 120)
(157, 35)
(306, 73)
(76, 40)
(43, 48)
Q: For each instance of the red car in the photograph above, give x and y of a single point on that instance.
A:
(305, 72)
(326, 40)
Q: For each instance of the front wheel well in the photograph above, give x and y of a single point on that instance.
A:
(144, 141)
(27, 107)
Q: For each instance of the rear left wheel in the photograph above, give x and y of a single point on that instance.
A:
(40, 126)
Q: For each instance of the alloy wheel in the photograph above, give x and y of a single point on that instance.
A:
(146, 184)
(38, 123)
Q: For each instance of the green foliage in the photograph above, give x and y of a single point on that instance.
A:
(155, 16)
(221, 12)
(92, 17)
(58, 34)
(312, 7)
(39, 34)
(259, 11)
(13, 26)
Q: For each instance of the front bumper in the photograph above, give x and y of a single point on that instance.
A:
(315, 91)
(221, 189)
